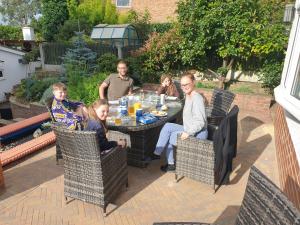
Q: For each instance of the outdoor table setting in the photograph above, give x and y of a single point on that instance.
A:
(142, 116)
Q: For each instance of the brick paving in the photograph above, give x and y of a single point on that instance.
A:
(34, 189)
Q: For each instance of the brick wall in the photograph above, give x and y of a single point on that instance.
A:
(254, 105)
(160, 10)
(25, 111)
(289, 172)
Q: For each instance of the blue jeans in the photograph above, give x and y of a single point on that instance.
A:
(168, 138)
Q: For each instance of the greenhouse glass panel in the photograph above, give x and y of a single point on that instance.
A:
(118, 32)
(126, 34)
(107, 33)
(96, 33)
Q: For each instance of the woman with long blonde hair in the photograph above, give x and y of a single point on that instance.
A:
(96, 121)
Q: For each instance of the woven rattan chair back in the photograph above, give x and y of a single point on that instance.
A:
(221, 101)
(264, 203)
(88, 175)
(178, 87)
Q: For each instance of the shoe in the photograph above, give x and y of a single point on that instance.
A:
(167, 167)
(155, 157)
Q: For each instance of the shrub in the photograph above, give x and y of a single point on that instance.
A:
(10, 33)
(160, 27)
(270, 74)
(31, 89)
(135, 69)
(107, 63)
(67, 30)
(85, 89)
(161, 52)
(32, 55)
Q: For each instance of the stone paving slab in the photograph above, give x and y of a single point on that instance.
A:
(34, 189)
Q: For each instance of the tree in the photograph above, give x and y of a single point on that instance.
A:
(80, 58)
(141, 21)
(19, 12)
(68, 29)
(111, 15)
(72, 8)
(91, 10)
(54, 12)
(235, 30)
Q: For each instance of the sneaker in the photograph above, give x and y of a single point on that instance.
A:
(167, 167)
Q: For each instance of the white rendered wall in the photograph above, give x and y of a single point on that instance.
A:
(13, 71)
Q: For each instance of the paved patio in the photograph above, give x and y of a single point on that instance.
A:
(34, 189)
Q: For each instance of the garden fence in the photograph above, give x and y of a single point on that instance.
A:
(53, 52)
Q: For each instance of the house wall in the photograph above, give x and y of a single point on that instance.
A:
(160, 10)
(13, 71)
(289, 171)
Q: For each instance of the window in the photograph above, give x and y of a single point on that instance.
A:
(123, 3)
(287, 94)
(1, 74)
(296, 86)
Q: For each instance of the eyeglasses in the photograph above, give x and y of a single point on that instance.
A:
(185, 85)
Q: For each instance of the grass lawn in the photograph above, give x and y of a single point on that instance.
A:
(240, 87)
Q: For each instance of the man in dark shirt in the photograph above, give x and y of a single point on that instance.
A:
(117, 84)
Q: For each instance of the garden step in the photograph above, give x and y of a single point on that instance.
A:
(18, 119)
(27, 148)
(24, 123)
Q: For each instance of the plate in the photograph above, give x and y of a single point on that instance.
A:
(159, 113)
(172, 98)
(114, 102)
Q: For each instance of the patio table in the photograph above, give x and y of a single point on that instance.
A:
(144, 136)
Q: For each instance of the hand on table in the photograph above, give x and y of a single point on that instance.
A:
(184, 136)
(122, 143)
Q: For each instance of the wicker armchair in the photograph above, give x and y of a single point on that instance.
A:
(178, 87)
(89, 175)
(220, 103)
(263, 203)
(208, 161)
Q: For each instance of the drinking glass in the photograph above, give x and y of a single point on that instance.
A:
(118, 121)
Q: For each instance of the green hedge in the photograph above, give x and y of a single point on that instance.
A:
(10, 33)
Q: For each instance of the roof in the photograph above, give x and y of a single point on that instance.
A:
(113, 25)
(12, 50)
(116, 31)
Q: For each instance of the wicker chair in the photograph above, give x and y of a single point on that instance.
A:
(89, 175)
(263, 203)
(178, 87)
(220, 103)
(208, 161)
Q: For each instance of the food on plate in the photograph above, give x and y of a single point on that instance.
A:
(158, 113)
(164, 108)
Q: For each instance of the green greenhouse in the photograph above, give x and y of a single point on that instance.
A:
(116, 35)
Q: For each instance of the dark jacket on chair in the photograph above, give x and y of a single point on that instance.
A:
(225, 140)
